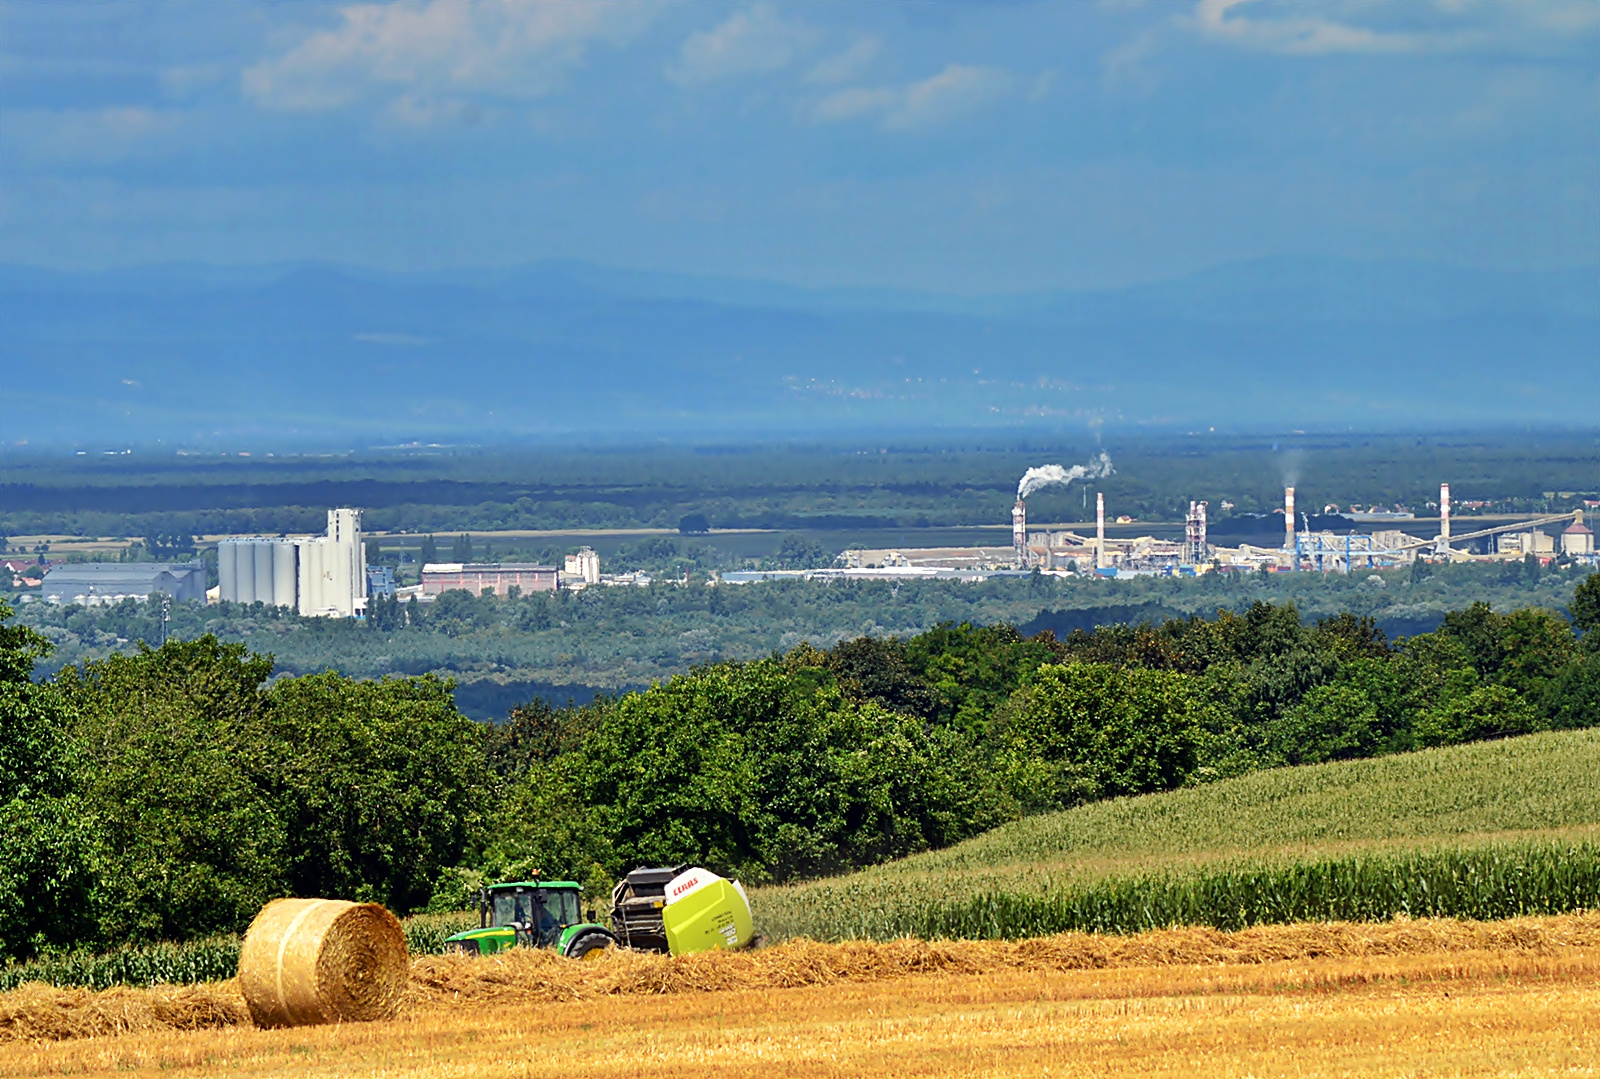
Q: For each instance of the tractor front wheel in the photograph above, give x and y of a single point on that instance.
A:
(590, 946)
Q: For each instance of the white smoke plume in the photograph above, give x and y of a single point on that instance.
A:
(1055, 475)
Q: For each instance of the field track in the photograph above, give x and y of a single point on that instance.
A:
(1518, 997)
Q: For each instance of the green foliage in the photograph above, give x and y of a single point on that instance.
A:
(1470, 713)
(1585, 608)
(45, 843)
(166, 793)
(1572, 699)
(380, 784)
(1332, 722)
(1084, 731)
(190, 843)
(624, 638)
(765, 770)
(972, 671)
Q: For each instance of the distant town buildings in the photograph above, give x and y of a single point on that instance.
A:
(498, 577)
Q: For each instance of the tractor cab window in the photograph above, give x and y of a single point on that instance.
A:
(512, 907)
(562, 905)
(557, 908)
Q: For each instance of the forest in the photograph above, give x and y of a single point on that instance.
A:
(869, 482)
(502, 651)
(164, 794)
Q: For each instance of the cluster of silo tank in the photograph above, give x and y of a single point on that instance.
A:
(258, 569)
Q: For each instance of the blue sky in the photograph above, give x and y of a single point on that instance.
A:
(967, 147)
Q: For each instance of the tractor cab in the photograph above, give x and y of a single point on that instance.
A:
(532, 914)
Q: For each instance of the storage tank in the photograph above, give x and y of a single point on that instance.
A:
(228, 570)
(245, 577)
(263, 560)
(285, 576)
(308, 573)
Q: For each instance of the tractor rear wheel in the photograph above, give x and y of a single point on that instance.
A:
(590, 946)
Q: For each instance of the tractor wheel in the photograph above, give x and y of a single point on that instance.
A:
(590, 946)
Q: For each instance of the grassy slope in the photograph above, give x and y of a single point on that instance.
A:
(1540, 786)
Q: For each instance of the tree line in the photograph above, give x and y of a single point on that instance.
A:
(166, 794)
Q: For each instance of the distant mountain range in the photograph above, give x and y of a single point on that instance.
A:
(316, 352)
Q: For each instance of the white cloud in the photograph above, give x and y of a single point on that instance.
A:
(846, 65)
(1226, 20)
(750, 42)
(87, 135)
(958, 90)
(424, 55)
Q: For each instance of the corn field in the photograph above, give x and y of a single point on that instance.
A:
(210, 960)
(1487, 883)
(1537, 788)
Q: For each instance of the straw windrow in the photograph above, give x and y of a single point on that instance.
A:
(523, 975)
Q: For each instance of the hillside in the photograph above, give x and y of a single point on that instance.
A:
(1487, 796)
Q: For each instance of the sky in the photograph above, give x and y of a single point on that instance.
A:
(959, 146)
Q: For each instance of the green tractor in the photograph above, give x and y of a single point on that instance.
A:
(533, 914)
(679, 910)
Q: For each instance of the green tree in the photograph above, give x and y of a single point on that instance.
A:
(381, 785)
(1082, 731)
(1475, 714)
(45, 838)
(172, 745)
(1572, 699)
(1330, 723)
(765, 770)
(974, 670)
(1585, 609)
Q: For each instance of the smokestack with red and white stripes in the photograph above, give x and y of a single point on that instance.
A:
(1099, 529)
(1288, 528)
(1444, 519)
(1019, 532)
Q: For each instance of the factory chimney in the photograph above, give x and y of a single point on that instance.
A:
(1444, 520)
(1099, 529)
(1019, 532)
(1288, 528)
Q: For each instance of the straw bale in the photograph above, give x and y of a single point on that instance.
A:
(308, 961)
(37, 1012)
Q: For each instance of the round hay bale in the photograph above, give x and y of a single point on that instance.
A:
(308, 961)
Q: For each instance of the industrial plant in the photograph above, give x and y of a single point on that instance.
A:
(1303, 549)
(324, 576)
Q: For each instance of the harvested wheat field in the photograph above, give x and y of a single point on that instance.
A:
(1436, 997)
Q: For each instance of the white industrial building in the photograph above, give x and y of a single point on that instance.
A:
(1577, 539)
(582, 568)
(316, 575)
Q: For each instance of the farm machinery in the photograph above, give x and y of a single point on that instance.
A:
(679, 910)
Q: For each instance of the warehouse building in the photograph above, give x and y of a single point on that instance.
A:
(478, 577)
(94, 583)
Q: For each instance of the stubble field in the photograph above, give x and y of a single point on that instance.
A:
(1412, 998)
